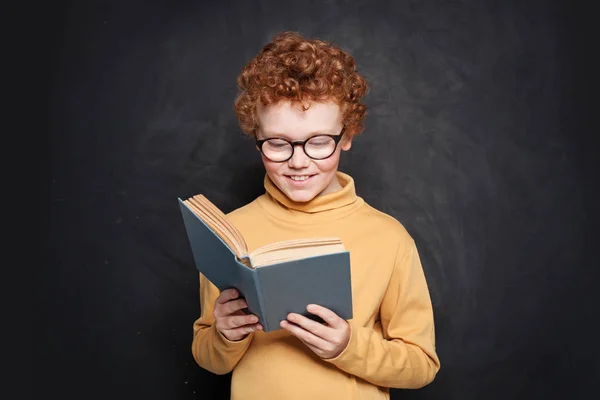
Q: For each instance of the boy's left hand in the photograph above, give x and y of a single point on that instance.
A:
(325, 340)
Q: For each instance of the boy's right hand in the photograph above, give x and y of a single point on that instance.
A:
(230, 320)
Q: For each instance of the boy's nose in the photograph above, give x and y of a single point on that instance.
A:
(299, 158)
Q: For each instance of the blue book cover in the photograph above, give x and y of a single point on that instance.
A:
(274, 290)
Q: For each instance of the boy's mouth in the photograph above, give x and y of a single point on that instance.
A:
(299, 178)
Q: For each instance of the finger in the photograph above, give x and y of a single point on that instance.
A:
(232, 307)
(314, 349)
(308, 324)
(305, 336)
(239, 333)
(227, 295)
(244, 330)
(236, 321)
(331, 318)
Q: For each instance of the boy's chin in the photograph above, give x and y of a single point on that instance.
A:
(301, 196)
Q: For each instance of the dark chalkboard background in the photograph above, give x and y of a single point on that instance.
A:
(478, 139)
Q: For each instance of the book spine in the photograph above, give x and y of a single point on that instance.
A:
(261, 300)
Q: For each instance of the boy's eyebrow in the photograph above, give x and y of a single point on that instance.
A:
(330, 131)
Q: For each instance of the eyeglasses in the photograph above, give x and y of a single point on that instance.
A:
(318, 147)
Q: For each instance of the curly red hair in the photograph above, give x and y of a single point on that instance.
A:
(294, 68)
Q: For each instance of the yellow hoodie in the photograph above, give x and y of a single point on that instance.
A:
(392, 342)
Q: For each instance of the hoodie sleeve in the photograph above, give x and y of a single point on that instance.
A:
(403, 354)
(211, 350)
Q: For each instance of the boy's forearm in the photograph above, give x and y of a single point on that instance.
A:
(387, 363)
(214, 352)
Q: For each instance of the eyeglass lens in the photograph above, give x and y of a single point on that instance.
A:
(317, 147)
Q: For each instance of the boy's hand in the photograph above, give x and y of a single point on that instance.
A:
(230, 320)
(325, 340)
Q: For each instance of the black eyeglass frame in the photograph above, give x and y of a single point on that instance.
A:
(336, 138)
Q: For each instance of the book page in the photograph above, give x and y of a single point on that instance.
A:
(218, 214)
(294, 253)
(214, 224)
(295, 243)
(217, 221)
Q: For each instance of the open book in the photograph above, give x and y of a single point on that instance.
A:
(275, 279)
(270, 254)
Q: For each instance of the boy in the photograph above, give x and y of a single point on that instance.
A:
(300, 100)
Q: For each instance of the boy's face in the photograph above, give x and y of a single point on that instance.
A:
(284, 120)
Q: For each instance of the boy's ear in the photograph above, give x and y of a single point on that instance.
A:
(346, 143)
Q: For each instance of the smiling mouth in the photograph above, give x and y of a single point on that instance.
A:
(299, 178)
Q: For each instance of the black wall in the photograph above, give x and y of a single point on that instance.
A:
(478, 139)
